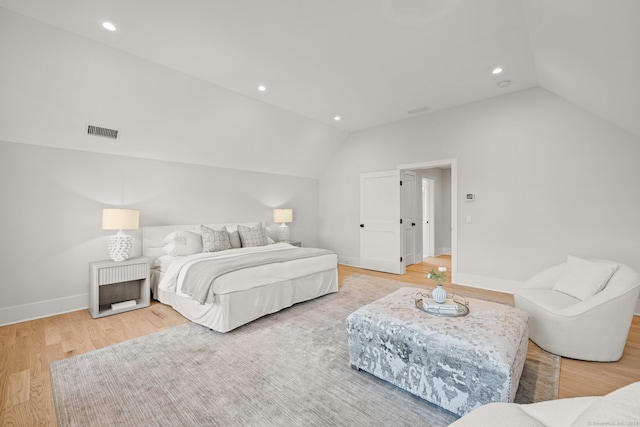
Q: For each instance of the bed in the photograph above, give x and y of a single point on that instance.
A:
(259, 280)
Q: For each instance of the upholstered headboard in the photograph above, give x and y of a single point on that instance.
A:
(152, 236)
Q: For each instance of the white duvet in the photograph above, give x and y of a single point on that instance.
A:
(241, 280)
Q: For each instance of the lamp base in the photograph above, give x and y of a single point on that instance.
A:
(283, 232)
(120, 246)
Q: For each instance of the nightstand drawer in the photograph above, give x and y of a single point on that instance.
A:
(123, 273)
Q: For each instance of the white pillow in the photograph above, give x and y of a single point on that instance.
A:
(182, 243)
(175, 237)
(234, 238)
(583, 278)
(272, 231)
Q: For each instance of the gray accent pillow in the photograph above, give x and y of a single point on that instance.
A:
(214, 240)
(252, 236)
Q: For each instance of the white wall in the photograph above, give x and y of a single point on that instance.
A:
(52, 201)
(54, 83)
(54, 180)
(550, 179)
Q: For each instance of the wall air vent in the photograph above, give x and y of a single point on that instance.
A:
(103, 132)
(419, 110)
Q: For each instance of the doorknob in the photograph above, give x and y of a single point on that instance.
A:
(413, 224)
(361, 225)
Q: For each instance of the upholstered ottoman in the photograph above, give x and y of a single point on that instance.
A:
(456, 363)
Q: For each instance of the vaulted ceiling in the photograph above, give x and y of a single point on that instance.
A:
(372, 61)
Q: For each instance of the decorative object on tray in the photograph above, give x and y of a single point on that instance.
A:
(283, 216)
(454, 306)
(120, 244)
(439, 293)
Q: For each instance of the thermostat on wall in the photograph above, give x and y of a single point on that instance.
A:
(470, 197)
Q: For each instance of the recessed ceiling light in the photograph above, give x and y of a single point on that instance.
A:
(109, 26)
(497, 70)
(504, 83)
(337, 118)
(262, 88)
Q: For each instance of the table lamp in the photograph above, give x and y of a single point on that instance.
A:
(120, 244)
(283, 216)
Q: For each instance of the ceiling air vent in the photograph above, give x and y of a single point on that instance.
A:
(103, 132)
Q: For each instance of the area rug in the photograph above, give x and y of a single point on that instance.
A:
(290, 368)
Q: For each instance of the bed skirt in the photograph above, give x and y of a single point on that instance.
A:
(235, 309)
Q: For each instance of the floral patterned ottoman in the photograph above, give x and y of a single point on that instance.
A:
(456, 363)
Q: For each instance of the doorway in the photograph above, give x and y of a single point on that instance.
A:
(381, 223)
(447, 197)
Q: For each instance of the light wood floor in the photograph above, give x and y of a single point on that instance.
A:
(27, 348)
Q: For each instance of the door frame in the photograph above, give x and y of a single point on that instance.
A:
(453, 164)
(412, 213)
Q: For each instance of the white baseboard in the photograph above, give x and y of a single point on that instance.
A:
(40, 309)
(489, 283)
(348, 260)
(443, 251)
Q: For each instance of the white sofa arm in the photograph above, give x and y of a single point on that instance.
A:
(552, 413)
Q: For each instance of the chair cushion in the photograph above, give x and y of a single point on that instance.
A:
(547, 299)
(582, 278)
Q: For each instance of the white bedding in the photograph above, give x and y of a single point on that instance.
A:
(244, 279)
(243, 295)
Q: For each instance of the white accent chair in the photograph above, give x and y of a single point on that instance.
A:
(594, 328)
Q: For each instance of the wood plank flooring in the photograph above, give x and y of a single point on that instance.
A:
(27, 348)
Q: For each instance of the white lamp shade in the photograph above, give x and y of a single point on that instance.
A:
(120, 219)
(283, 215)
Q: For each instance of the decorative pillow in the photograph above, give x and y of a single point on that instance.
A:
(252, 236)
(214, 240)
(583, 278)
(234, 238)
(181, 243)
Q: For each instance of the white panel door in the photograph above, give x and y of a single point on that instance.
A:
(408, 215)
(380, 238)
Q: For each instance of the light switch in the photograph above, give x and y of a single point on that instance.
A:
(468, 219)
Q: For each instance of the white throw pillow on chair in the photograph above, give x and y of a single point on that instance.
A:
(583, 278)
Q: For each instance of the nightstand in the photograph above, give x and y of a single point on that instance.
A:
(297, 243)
(113, 282)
